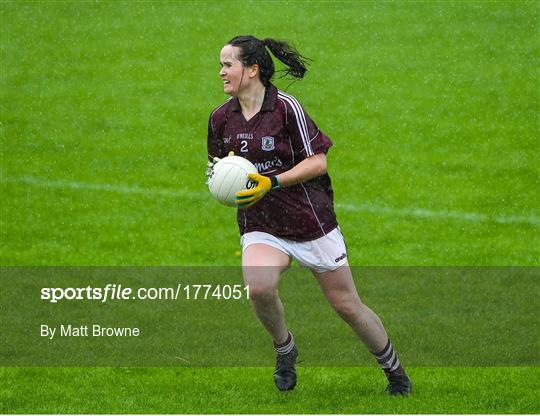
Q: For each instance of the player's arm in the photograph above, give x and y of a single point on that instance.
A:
(307, 169)
(214, 145)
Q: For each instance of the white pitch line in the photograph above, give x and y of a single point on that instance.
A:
(453, 215)
(413, 212)
(85, 186)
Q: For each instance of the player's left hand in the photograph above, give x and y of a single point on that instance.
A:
(210, 165)
(249, 197)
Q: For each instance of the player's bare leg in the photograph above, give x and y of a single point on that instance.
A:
(262, 266)
(339, 289)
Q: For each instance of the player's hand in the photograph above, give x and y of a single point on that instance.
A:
(210, 165)
(249, 197)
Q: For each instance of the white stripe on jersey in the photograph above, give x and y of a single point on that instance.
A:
(301, 123)
(312, 209)
(300, 120)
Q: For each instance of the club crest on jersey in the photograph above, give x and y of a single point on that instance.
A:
(268, 143)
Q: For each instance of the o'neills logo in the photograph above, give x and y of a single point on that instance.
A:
(344, 255)
(247, 136)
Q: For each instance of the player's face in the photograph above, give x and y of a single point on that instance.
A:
(232, 71)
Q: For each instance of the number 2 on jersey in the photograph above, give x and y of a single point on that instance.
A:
(244, 146)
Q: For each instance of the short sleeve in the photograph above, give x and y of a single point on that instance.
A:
(307, 138)
(214, 144)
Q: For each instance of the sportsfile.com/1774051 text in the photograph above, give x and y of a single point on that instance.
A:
(113, 291)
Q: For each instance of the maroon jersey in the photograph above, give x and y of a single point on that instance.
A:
(277, 138)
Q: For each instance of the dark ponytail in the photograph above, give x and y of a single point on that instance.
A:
(253, 51)
(289, 56)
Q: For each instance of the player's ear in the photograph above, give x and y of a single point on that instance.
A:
(254, 70)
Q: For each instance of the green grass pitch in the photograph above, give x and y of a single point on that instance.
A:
(433, 110)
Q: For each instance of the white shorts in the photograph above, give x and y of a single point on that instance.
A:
(324, 254)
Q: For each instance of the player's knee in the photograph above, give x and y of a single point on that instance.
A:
(346, 311)
(348, 308)
(262, 293)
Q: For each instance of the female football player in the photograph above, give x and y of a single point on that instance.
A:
(289, 214)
